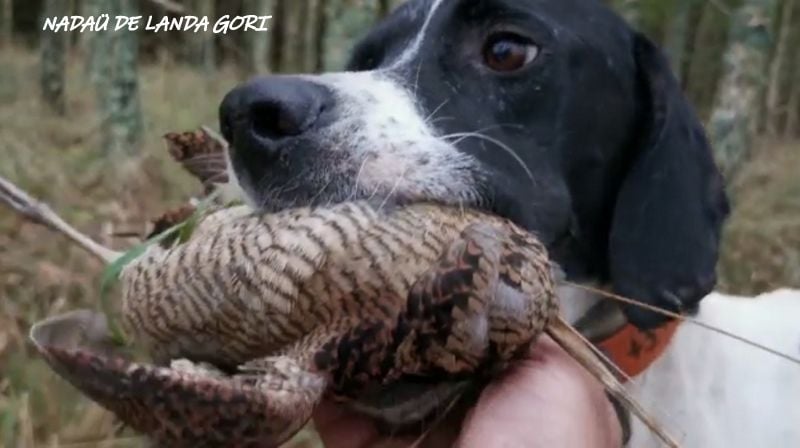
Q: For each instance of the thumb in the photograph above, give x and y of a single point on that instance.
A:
(546, 400)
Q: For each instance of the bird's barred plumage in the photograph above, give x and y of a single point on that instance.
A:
(248, 285)
(357, 301)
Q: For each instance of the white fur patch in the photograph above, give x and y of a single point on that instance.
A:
(416, 44)
(713, 391)
(389, 143)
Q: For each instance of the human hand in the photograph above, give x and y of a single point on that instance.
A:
(546, 400)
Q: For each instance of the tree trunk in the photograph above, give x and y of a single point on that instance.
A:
(384, 6)
(53, 53)
(689, 49)
(201, 45)
(258, 42)
(733, 119)
(308, 33)
(277, 36)
(6, 22)
(290, 32)
(83, 41)
(98, 44)
(777, 68)
(125, 88)
(320, 36)
(297, 36)
(116, 81)
(792, 128)
(678, 35)
(345, 26)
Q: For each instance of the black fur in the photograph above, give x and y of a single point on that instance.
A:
(624, 189)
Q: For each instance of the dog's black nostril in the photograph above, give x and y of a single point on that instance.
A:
(261, 118)
(281, 106)
(271, 121)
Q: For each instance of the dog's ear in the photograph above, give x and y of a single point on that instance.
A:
(665, 233)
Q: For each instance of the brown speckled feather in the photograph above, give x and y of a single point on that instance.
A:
(200, 154)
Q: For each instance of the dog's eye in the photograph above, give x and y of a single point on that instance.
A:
(508, 52)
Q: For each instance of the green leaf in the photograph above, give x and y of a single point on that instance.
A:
(113, 271)
(111, 275)
(187, 228)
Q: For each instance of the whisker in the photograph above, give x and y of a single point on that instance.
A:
(465, 135)
(321, 190)
(438, 119)
(487, 128)
(416, 78)
(374, 192)
(358, 179)
(271, 192)
(400, 179)
(431, 115)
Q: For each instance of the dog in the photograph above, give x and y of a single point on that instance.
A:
(552, 113)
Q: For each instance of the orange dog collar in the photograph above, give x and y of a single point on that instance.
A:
(634, 350)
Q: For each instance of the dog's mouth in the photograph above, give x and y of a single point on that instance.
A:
(323, 181)
(280, 197)
(333, 178)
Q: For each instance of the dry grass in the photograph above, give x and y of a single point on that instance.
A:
(58, 159)
(761, 247)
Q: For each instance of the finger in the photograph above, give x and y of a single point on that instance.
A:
(341, 428)
(546, 400)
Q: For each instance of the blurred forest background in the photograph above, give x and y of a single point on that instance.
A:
(82, 115)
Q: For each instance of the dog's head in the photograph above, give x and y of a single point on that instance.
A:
(553, 113)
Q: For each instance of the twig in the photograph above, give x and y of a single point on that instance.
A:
(41, 213)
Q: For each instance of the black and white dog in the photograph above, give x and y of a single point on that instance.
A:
(553, 113)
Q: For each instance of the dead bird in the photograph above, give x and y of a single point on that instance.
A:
(357, 301)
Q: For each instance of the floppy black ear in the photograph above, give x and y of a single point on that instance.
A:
(665, 233)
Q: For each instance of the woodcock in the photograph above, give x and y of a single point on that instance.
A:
(259, 316)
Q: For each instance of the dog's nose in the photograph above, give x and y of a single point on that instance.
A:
(259, 114)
